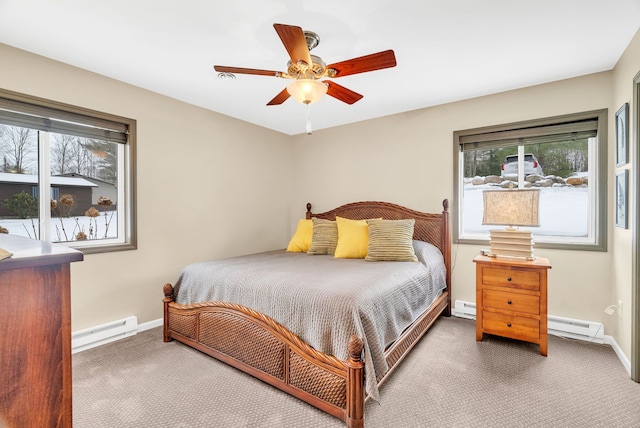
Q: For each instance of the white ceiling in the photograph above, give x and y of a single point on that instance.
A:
(446, 50)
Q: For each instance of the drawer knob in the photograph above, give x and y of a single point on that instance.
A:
(509, 302)
(508, 324)
(509, 278)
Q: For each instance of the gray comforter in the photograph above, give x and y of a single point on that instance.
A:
(325, 300)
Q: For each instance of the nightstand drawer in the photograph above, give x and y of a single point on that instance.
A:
(524, 279)
(516, 302)
(510, 326)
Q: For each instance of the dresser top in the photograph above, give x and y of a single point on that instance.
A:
(31, 253)
(540, 262)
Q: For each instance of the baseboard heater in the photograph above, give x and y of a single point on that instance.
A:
(558, 326)
(95, 336)
(464, 310)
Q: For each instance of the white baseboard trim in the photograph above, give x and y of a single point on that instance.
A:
(150, 324)
(89, 338)
(609, 340)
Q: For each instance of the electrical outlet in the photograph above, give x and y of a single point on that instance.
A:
(619, 308)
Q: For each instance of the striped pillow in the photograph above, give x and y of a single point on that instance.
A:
(391, 240)
(324, 238)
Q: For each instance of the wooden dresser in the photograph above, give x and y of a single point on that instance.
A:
(511, 299)
(35, 343)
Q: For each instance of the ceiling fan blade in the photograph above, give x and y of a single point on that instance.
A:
(376, 61)
(294, 42)
(280, 98)
(340, 92)
(238, 70)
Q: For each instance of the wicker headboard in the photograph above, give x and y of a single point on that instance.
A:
(432, 228)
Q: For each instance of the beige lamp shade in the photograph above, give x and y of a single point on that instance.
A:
(307, 91)
(511, 207)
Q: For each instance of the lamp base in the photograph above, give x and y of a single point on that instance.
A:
(511, 243)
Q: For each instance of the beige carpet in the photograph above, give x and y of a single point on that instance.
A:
(448, 380)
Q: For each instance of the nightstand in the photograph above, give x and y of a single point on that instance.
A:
(511, 299)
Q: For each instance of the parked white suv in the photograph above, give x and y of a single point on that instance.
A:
(531, 166)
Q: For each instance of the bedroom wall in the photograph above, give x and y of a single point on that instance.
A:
(208, 186)
(408, 159)
(628, 66)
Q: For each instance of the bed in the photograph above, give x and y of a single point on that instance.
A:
(332, 375)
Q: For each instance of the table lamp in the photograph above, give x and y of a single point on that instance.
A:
(511, 207)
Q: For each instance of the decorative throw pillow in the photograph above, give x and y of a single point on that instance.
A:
(301, 240)
(391, 240)
(324, 238)
(353, 238)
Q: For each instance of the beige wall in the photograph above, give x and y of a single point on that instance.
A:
(622, 92)
(231, 191)
(208, 186)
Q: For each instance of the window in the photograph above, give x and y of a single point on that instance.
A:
(565, 157)
(67, 174)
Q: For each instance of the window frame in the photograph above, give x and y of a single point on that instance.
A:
(74, 113)
(599, 223)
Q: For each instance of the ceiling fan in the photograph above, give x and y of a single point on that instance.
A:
(307, 69)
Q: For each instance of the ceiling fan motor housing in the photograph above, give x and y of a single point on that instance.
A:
(301, 70)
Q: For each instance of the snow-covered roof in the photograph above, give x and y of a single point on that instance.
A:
(6, 177)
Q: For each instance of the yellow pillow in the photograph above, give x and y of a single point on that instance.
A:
(301, 240)
(353, 238)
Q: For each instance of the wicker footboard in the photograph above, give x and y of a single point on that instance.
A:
(270, 352)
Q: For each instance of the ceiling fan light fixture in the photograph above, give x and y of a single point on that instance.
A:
(307, 91)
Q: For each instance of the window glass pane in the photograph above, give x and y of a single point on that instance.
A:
(84, 176)
(75, 169)
(559, 169)
(18, 181)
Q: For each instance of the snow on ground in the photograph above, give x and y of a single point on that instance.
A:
(564, 211)
(72, 225)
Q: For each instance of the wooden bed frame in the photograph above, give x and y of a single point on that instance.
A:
(273, 354)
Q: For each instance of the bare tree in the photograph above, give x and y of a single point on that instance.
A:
(79, 158)
(69, 154)
(18, 146)
(61, 149)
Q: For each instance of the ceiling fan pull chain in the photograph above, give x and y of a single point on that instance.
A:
(309, 132)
